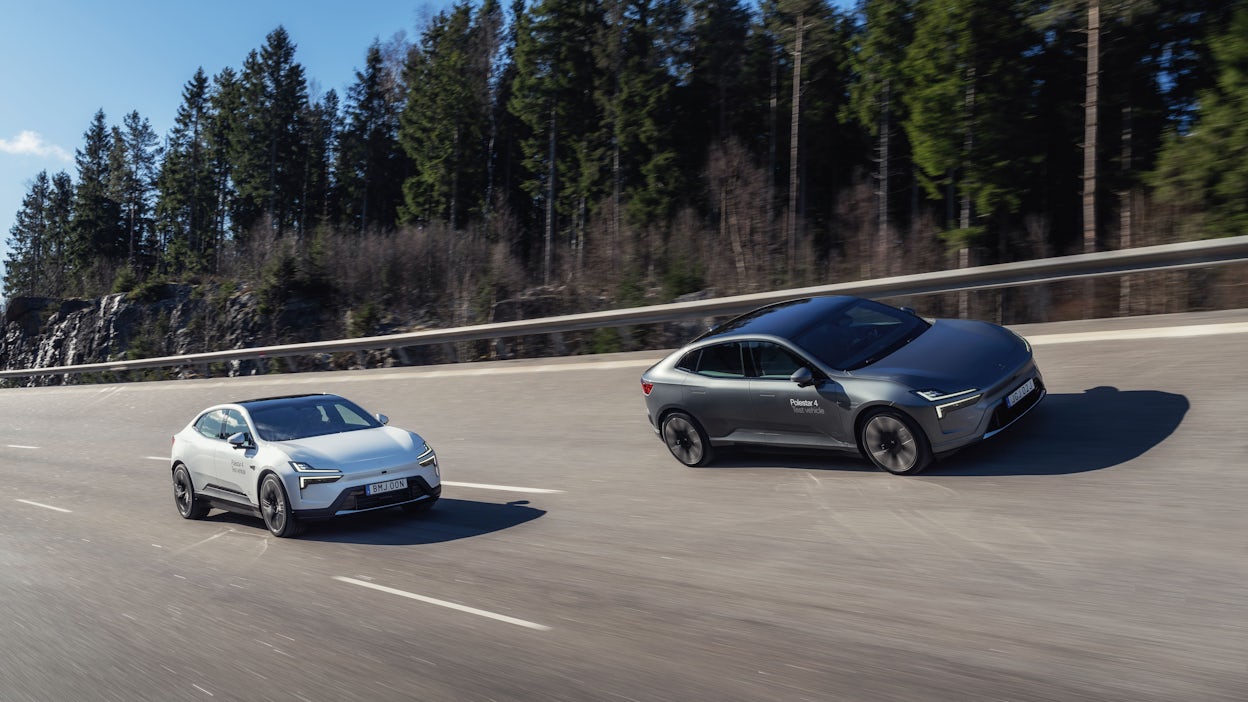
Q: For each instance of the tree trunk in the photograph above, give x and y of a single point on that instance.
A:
(1090, 119)
(793, 143)
(550, 203)
(1124, 213)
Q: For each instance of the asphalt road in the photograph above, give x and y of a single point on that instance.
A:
(1096, 551)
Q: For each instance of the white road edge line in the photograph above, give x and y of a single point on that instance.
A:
(1136, 334)
(19, 446)
(506, 488)
(40, 504)
(444, 603)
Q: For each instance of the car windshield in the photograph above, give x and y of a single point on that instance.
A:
(301, 417)
(859, 335)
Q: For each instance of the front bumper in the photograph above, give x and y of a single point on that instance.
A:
(353, 500)
(987, 418)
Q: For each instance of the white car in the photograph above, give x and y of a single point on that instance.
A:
(289, 460)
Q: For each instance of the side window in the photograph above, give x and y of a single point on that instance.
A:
(233, 424)
(210, 424)
(721, 361)
(772, 361)
(690, 361)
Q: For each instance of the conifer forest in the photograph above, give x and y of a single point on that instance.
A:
(612, 153)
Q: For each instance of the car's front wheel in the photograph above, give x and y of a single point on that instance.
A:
(686, 440)
(275, 508)
(189, 504)
(893, 443)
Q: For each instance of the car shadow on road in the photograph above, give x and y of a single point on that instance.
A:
(1075, 433)
(449, 520)
(1067, 433)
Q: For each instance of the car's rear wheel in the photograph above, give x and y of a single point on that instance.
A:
(275, 508)
(893, 443)
(419, 507)
(686, 440)
(189, 504)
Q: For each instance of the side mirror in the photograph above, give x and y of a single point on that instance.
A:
(239, 441)
(382, 418)
(803, 377)
(910, 310)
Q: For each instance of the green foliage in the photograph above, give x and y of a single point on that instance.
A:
(958, 239)
(150, 290)
(150, 341)
(683, 277)
(125, 280)
(364, 320)
(1204, 172)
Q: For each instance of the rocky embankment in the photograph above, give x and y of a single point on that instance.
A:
(179, 319)
(166, 320)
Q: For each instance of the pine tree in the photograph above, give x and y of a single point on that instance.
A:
(1203, 171)
(966, 104)
(369, 168)
(268, 147)
(224, 128)
(185, 184)
(132, 184)
(445, 124)
(553, 97)
(875, 97)
(28, 240)
(97, 232)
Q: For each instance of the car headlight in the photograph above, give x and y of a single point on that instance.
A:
(427, 457)
(311, 476)
(949, 401)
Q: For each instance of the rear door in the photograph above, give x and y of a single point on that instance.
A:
(719, 396)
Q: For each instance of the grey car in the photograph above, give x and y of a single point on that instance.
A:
(843, 374)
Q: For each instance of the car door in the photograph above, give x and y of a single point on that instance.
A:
(234, 465)
(788, 414)
(201, 459)
(719, 396)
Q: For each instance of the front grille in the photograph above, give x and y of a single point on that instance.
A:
(356, 499)
(1003, 415)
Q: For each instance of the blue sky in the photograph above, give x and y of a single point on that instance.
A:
(61, 60)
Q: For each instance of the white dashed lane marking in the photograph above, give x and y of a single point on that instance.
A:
(444, 603)
(40, 504)
(505, 488)
(19, 446)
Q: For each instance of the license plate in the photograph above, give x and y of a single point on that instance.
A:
(1023, 391)
(388, 486)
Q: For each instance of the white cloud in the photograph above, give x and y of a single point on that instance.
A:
(32, 143)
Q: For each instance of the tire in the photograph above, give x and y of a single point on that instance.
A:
(686, 440)
(891, 441)
(188, 503)
(275, 508)
(417, 508)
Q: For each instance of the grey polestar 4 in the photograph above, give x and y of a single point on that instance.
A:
(842, 374)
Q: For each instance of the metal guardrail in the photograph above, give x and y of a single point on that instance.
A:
(1046, 270)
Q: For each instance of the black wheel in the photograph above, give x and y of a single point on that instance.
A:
(419, 507)
(686, 440)
(189, 504)
(275, 508)
(893, 443)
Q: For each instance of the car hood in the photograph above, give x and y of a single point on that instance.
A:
(953, 355)
(363, 449)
